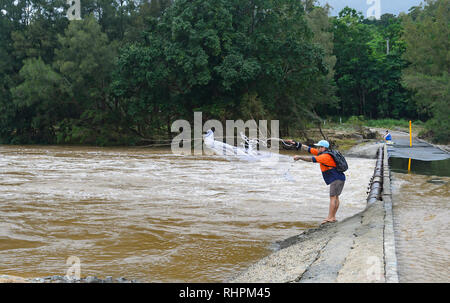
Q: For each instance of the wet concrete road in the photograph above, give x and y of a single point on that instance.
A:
(420, 150)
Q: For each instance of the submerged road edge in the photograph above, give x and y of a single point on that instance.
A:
(359, 249)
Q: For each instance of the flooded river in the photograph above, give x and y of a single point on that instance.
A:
(150, 215)
(421, 208)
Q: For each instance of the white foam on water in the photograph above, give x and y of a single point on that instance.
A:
(281, 164)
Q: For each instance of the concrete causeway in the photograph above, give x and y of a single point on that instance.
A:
(358, 249)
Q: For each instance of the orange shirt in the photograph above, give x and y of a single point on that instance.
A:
(323, 159)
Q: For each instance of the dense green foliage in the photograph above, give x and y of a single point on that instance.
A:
(128, 69)
(426, 34)
(367, 73)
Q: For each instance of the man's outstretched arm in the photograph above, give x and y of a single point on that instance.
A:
(304, 158)
(302, 146)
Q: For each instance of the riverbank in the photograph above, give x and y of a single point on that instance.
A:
(343, 138)
(358, 249)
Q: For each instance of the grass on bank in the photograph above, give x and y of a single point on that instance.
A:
(355, 123)
(334, 128)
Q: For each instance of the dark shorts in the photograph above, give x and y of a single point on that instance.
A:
(336, 187)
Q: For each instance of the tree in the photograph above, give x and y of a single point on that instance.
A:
(38, 100)
(28, 30)
(6, 71)
(38, 39)
(351, 47)
(85, 60)
(324, 89)
(367, 73)
(426, 37)
(216, 57)
(389, 98)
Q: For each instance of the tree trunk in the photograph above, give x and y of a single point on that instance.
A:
(321, 132)
(363, 102)
(169, 133)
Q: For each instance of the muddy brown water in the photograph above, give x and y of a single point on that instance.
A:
(150, 215)
(422, 227)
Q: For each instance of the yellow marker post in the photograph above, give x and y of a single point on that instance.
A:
(410, 134)
(410, 145)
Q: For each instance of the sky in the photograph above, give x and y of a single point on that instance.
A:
(372, 7)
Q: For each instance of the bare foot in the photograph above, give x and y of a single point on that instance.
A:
(328, 221)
